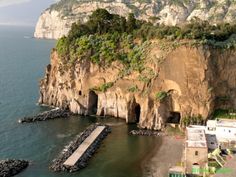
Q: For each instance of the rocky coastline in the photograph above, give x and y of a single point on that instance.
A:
(47, 115)
(10, 168)
(57, 164)
(72, 87)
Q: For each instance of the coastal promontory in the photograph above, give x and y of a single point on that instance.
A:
(142, 73)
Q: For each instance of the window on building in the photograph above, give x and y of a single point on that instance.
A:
(211, 129)
(196, 153)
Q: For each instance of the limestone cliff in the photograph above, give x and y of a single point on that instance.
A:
(57, 20)
(194, 79)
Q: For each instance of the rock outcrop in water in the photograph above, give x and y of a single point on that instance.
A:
(57, 20)
(10, 168)
(47, 115)
(190, 80)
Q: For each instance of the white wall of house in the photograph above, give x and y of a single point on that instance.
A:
(225, 134)
(211, 127)
(225, 131)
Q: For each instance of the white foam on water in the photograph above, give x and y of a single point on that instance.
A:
(63, 135)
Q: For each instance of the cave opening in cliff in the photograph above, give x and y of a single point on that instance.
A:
(137, 111)
(102, 112)
(174, 118)
(92, 103)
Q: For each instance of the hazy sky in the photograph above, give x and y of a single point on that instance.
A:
(22, 12)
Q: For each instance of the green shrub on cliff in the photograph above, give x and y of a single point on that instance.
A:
(108, 37)
(62, 46)
(102, 22)
(103, 50)
(77, 30)
(160, 96)
(133, 89)
(224, 114)
(104, 87)
(192, 120)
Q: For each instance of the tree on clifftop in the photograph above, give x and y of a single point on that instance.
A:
(100, 21)
(131, 23)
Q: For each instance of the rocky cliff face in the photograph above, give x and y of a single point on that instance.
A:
(57, 20)
(194, 79)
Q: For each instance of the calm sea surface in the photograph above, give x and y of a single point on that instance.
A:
(22, 64)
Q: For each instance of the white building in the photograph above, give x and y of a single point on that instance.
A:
(200, 140)
(196, 150)
(223, 129)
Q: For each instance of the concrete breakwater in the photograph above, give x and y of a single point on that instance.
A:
(58, 163)
(10, 168)
(146, 133)
(47, 115)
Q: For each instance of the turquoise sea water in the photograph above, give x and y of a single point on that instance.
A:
(22, 64)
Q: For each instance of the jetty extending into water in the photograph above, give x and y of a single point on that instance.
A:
(47, 115)
(71, 161)
(12, 167)
(76, 155)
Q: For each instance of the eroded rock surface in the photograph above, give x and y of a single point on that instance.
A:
(195, 78)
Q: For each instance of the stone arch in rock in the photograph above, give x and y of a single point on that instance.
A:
(172, 85)
(173, 107)
(92, 103)
(171, 112)
(173, 99)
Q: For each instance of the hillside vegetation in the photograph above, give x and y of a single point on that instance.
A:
(108, 37)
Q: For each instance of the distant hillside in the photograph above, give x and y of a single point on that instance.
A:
(56, 21)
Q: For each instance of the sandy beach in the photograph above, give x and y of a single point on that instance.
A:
(168, 152)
